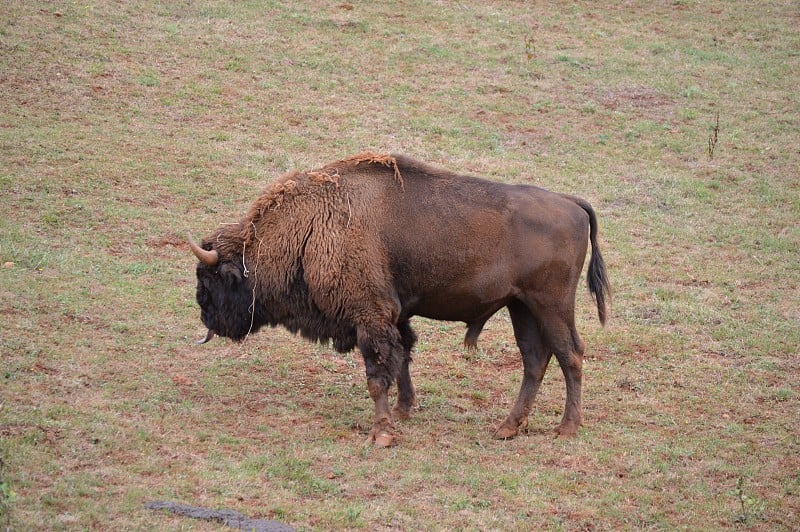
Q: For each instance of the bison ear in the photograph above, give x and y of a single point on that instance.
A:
(230, 273)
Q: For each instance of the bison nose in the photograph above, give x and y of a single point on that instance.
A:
(208, 337)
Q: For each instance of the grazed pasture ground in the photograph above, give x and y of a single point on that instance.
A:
(125, 125)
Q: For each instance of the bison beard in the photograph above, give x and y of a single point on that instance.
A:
(349, 253)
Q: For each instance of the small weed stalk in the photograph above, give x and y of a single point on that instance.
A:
(7, 497)
(751, 506)
(713, 137)
(530, 49)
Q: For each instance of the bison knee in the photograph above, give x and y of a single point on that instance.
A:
(376, 387)
(382, 351)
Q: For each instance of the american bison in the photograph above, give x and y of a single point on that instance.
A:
(350, 252)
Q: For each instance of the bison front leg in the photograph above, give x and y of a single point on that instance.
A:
(382, 431)
(383, 355)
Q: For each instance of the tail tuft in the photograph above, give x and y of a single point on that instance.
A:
(597, 278)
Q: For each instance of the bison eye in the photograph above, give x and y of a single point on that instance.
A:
(230, 273)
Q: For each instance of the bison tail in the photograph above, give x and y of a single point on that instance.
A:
(596, 277)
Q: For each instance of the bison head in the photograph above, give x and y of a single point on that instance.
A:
(224, 293)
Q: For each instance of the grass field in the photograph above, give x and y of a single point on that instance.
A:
(125, 125)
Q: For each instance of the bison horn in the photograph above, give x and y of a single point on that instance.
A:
(208, 337)
(209, 258)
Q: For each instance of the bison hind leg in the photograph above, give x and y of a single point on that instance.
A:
(565, 343)
(535, 358)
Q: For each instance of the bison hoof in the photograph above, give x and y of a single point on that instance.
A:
(382, 435)
(509, 429)
(381, 439)
(401, 412)
(567, 430)
(506, 431)
(384, 440)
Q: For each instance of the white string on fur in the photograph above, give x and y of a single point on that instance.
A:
(349, 211)
(246, 272)
(252, 308)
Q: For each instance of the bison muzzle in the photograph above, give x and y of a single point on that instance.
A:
(350, 252)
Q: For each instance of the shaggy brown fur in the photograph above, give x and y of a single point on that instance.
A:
(351, 251)
(374, 158)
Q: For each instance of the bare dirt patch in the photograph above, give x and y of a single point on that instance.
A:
(637, 97)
